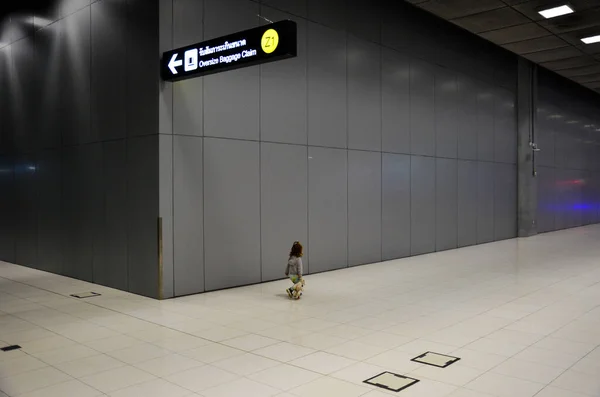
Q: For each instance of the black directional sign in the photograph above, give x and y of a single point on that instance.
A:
(264, 44)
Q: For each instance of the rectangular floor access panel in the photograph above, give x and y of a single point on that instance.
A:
(10, 348)
(84, 295)
(435, 359)
(391, 382)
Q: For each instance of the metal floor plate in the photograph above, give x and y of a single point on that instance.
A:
(85, 295)
(392, 382)
(10, 348)
(435, 359)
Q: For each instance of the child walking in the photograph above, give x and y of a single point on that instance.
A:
(294, 271)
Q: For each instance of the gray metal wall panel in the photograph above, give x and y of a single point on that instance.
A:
(395, 94)
(23, 95)
(570, 148)
(80, 178)
(69, 201)
(327, 111)
(93, 205)
(576, 156)
(113, 271)
(546, 199)
(422, 108)
(188, 16)
(20, 26)
(231, 213)
(424, 39)
(166, 42)
(109, 83)
(485, 202)
(6, 117)
(49, 211)
(95, 216)
(233, 108)
(446, 113)
(364, 19)
(422, 205)
(294, 7)
(5, 25)
(467, 117)
(505, 73)
(505, 135)
(188, 96)
(594, 142)
(593, 198)
(25, 210)
(596, 165)
(165, 210)
(589, 148)
(142, 210)
(446, 214)
(331, 13)
(364, 95)
(485, 122)
(364, 207)
(219, 20)
(588, 213)
(284, 205)
(395, 206)
(561, 146)
(575, 198)
(562, 199)
(394, 31)
(68, 7)
(48, 63)
(283, 91)
(76, 88)
(596, 199)
(7, 209)
(188, 214)
(188, 100)
(505, 201)
(327, 209)
(467, 203)
(142, 68)
(46, 13)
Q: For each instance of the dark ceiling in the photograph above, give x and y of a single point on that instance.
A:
(517, 26)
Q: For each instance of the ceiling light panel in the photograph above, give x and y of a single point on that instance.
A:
(591, 39)
(556, 11)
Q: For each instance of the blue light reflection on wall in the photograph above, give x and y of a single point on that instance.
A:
(571, 186)
(572, 207)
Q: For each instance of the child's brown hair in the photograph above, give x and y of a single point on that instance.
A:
(296, 250)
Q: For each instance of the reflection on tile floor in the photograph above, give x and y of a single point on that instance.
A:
(523, 316)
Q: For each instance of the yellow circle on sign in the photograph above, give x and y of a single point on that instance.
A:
(270, 41)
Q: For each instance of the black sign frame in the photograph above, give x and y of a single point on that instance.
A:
(234, 51)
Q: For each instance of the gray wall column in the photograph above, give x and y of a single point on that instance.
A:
(526, 120)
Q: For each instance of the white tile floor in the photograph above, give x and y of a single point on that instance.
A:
(523, 315)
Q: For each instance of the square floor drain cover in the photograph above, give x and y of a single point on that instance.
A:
(436, 359)
(10, 348)
(85, 295)
(392, 382)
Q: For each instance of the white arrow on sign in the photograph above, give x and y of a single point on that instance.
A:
(173, 63)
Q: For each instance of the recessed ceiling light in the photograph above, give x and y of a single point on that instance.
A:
(591, 39)
(556, 11)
